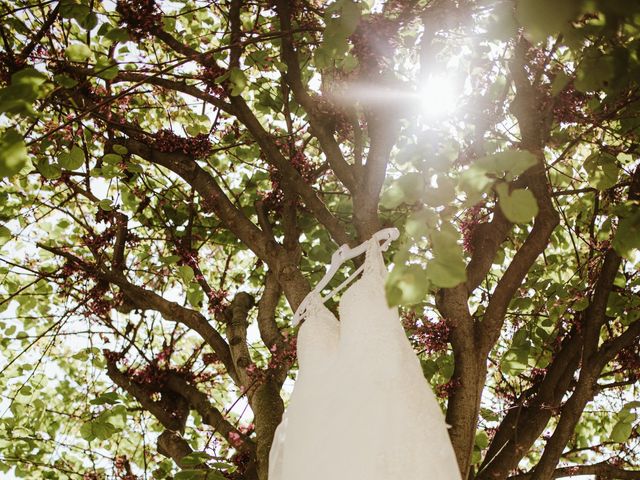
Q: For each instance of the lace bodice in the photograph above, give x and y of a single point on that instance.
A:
(319, 335)
(317, 338)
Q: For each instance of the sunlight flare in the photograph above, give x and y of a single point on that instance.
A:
(438, 96)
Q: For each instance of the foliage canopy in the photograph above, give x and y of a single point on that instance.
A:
(176, 175)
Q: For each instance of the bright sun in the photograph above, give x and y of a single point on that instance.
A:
(437, 96)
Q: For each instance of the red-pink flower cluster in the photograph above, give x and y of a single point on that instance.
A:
(470, 220)
(140, 17)
(274, 200)
(374, 42)
(446, 389)
(285, 355)
(123, 468)
(217, 301)
(629, 360)
(208, 74)
(198, 147)
(429, 335)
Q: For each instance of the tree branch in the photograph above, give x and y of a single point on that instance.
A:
(146, 299)
(319, 125)
(171, 410)
(269, 331)
(545, 222)
(199, 401)
(236, 317)
(272, 153)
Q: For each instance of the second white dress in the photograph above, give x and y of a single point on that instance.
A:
(361, 408)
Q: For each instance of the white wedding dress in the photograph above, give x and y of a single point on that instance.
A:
(361, 408)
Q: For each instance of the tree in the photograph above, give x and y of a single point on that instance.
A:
(176, 176)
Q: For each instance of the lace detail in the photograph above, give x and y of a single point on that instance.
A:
(318, 336)
(374, 262)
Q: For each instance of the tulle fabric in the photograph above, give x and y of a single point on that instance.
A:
(361, 407)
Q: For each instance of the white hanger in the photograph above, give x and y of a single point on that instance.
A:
(340, 256)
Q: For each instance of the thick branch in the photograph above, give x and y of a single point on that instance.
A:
(486, 240)
(528, 417)
(383, 130)
(172, 445)
(177, 86)
(237, 323)
(199, 401)
(171, 412)
(269, 331)
(469, 373)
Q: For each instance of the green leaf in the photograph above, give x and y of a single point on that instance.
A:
(27, 85)
(195, 295)
(350, 17)
(118, 35)
(594, 72)
(86, 432)
(73, 159)
(443, 194)
(5, 235)
(186, 273)
(621, 432)
(28, 76)
(103, 430)
(120, 149)
(602, 169)
(65, 81)
(97, 429)
(78, 52)
(392, 197)
(420, 223)
(112, 158)
(349, 63)
(561, 81)
(170, 259)
(13, 153)
(238, 81)
(412, 186)
(406, 285)
(195, 458)
(108, 73)
(627, 238)
(71, 9)
(193, 474)
(484, 171)
(106, 205)
(322, 58)
(515, 360)
(482, 440)
(447, 269)
(632, 405)
(510, 163)
(542, 18)
(474, 181)
(519, 206)
(50, 171)
(110, 398)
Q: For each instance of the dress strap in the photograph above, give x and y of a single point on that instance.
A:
(374, 261)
